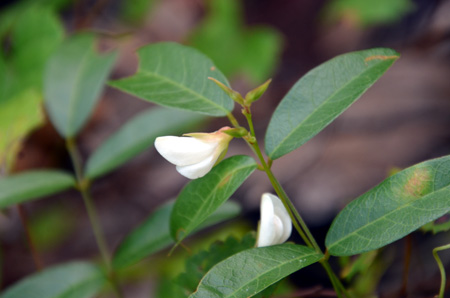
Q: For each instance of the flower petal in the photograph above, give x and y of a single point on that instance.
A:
(183, 151)
(275, 225)
(281, 212)
(199, 169)
(266, 232)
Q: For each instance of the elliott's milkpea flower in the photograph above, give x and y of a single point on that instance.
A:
(194, 154)
(275, 226)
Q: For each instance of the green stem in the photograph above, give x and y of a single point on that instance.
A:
(338, 287)
(84, 189)
(297, 220)
(441, 268)
(302, 229)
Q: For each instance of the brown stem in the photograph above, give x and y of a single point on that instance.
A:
(406, 264)
(23, 218)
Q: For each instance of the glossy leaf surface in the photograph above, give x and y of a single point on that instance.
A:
(32, 185)
(176, 76)
(71, 280)
(399, 205)
(153, 234)
(136, 136)
(73, 80)
(251, 271)
(322, 95)
(201, 197)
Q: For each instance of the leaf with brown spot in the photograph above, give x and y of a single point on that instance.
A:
(201, 197)
(396, 207)
(418, 184)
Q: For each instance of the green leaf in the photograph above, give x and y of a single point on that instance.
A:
(234, 47)
(18, 116)
(52, 227)
(73, 80)
(71, 280)
(135, 11)
(136, 136)
(251, 271)
(32, 185)
(369, 12)
(201, 197)
(200, 263)
(35, 36)
(399, 205)
(154, 234)
(322, 95)
(176, 76)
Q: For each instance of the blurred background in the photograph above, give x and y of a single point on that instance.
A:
(402, 120)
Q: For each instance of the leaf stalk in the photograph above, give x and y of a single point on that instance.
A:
(84, 188)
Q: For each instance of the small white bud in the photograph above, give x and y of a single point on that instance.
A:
(275, 225)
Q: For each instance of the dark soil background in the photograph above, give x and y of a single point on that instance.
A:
(402, 120)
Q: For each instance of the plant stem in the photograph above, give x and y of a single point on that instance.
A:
(441, 268)
(406, 263)
(83, 187)
(23, 218)
(295, 216)
(297, 220)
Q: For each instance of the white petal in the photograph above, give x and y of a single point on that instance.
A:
(281, 212)
(199, 169)
(266, 233)
(183, 151)
(279, 228)
(276, 225)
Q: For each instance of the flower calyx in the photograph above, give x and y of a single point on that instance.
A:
(275, 225)
(194, 154)
(237, 132)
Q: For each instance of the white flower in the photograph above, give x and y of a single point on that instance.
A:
(275, 226)
(194, 154)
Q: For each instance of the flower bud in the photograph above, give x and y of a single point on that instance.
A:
(256, 93)
(275, 225)
(194, 154)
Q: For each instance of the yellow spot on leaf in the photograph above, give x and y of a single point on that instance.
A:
(380, 57)
(418, 183)
(213, 68)
(224, 181)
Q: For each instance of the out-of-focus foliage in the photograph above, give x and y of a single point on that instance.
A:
(18, 116)
(74, 77)
(32, 185)
(368, 12)
(74, 280)
(51, 227)
(234, 48)
(33, 33)
(11, 13)
(363, 272)
(135, 11)
(441, 224)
